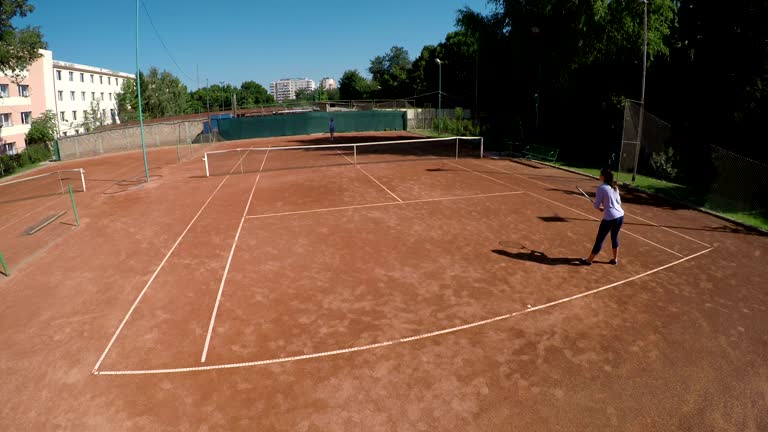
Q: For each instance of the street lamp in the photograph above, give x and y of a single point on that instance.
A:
(439, 93)
(642, 94)
(222, 95)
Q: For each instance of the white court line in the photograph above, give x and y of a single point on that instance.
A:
(631, 215)
(229, 261)
(672, 231)
(401, 340)
(591, 217)
(483, 175)
(151, 279)
(366, 173)
(384, 204)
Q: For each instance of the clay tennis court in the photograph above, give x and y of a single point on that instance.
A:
(428, 294)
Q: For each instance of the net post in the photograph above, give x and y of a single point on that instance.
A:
(5, 266)
(82, 178)
(481, 147)
(354, 149)
(74, 206)
(457, 148)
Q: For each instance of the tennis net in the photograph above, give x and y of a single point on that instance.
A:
(43, 185)
(260, 159)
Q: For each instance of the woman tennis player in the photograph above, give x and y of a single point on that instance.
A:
(607, 200)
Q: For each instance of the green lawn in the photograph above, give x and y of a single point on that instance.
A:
(678, 193)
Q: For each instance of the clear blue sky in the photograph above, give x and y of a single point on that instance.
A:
(238, 40)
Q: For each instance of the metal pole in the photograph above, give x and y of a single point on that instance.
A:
(439, 95)
(642, 94)
(138, 88)
(74, 206)
(82, 177)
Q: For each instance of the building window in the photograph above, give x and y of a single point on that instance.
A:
(23, 90)
(72, 96)
(71, 76)
(62, 117)
(109, 80)
(61, 96)
(82, 95)
(93, 95)
(64, 133)
(77, 131)
(3, 90)
(101, 79)
(91, 78)
(5, 120)
(110, 96)
(74, 115)
(8, 148)
(85, 114)
(82, 77)
(102, 96)
(117, 82)
(58, 75)
(113, 115)
(26, 117)
(103, 114)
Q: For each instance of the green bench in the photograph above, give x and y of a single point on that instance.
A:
(537, 152)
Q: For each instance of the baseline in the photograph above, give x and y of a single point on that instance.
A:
(401, 340)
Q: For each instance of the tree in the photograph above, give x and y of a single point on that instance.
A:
(162, 95)
(93, 117)
(352, 85)
(252, 94)
(390, 72)
(42, 130)
(18, 47)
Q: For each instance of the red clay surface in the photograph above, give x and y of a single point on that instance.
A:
(423, 295)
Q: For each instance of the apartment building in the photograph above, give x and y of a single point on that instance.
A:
(23, 98)
(285, 89)
(85, 96)
(327, 83)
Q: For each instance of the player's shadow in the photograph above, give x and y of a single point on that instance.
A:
(537, 257)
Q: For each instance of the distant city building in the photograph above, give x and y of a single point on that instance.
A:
(24, 100)
(85, 96)
(327, 84)
(285, 89)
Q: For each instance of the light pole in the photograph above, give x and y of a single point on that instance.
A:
(138, 91)
(222, 95)
(642, 93)
(439, 93)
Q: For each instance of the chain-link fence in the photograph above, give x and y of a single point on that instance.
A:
(638, 148)
(702, 175)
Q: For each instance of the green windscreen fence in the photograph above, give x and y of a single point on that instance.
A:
(310, 123)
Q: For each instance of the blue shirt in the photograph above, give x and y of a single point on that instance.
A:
(609, 199)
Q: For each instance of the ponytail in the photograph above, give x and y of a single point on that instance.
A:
(608, 178)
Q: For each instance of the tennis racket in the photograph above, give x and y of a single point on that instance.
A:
(585, 194)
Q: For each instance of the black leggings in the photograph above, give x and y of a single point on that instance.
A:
(612, 226)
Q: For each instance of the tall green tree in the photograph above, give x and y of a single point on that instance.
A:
(251, 94)
(352, 85)
(162, 95)
(42, 130)
(18, 46)
(390, 72)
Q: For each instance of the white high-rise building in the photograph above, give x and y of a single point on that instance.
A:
(85, 96)
(327, 83)
(285, 88)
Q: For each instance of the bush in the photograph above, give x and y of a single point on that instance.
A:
(31, 155)
(457, 126)
(663, 165)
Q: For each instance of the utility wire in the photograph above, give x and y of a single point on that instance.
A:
(157, 33)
